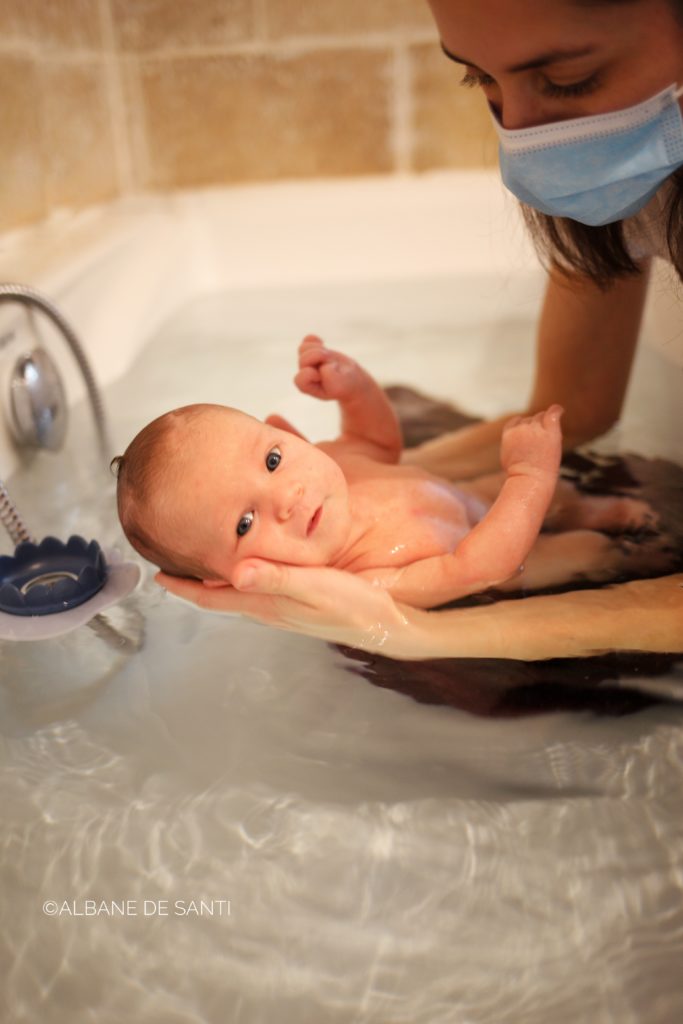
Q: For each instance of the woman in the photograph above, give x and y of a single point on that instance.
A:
(601, 198)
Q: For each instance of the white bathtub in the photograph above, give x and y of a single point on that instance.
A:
(120, 271)
(351, 855)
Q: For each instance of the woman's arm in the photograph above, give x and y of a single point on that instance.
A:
(586, 342)
(645, 615)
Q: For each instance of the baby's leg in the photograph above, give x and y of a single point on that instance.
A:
(571, 509)
(576, 555)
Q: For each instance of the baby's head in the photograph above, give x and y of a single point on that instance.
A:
(205, 486)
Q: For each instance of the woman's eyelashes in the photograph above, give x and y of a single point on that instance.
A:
(546, 87)
(572, 89)
(472, 79)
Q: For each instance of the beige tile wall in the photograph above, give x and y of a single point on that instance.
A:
(103, 97)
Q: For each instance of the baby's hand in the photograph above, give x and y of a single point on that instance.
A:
(533, 444)
(325, 374)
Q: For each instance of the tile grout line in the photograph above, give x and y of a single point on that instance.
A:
(402, 111)
(116, 101)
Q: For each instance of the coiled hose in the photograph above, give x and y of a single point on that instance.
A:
(10, 518)
(30, 297)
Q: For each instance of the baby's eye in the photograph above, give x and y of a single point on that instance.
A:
(244, 524)
(273, 459)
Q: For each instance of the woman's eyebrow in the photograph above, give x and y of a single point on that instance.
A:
(551, 57)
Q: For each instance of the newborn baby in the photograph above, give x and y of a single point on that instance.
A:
(205, 486)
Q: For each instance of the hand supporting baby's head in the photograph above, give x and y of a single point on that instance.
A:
(205, 486)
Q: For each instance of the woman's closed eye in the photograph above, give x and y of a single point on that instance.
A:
(473, 78)
(570, 89)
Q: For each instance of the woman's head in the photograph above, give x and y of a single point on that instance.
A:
(539, 61)
(544, 61)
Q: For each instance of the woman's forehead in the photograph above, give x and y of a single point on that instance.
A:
(509, 31)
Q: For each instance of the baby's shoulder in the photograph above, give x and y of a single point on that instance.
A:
(352, 459)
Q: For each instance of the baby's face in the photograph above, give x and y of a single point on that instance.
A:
(251, 490)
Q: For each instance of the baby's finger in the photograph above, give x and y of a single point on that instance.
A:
(553, 414)
(316, 356)
(310, 341)
(308, 380)
(513, 422)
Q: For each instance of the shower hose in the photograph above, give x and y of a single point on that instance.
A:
(27, 296)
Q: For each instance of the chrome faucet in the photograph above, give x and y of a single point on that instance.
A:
(48, 577)
(37, 400)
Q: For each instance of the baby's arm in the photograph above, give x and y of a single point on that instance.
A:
(496, 547)
(367, 415)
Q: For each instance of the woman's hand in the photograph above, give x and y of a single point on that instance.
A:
(326, 603)
(644, 615)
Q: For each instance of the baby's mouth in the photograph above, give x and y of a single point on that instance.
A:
(315, 519)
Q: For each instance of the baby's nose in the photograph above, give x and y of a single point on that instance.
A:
(288, 499)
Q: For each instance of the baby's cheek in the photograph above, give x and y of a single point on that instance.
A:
(220, 565)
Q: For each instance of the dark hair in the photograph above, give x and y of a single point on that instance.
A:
(601, 253)
(140, 474)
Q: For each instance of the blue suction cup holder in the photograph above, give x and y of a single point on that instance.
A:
(41, 579)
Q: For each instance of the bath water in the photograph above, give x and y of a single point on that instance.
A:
(232, 824)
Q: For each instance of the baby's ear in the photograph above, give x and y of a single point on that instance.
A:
(215, 583)
(280, 423)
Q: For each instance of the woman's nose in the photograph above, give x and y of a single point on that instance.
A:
(517, 108)
(287, 499)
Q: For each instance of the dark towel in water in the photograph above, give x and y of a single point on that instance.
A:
(613, 684)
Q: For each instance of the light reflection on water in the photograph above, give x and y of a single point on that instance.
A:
(385, 861)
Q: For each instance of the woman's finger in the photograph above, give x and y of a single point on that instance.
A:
(307, 586)
(223, 599)
(326, 603)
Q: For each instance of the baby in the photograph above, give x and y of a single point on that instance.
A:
(205, 486)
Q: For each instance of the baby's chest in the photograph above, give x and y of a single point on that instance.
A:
(412, 521)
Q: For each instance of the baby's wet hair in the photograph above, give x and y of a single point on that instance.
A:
(142, 485)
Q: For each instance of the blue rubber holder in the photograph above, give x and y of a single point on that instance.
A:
(51, 577)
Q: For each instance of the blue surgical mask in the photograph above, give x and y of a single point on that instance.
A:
(595, 170)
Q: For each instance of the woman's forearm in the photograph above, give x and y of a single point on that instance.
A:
(463, 454)
(586, 341)
(644, 615)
